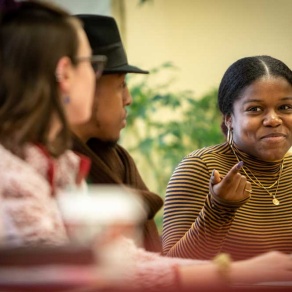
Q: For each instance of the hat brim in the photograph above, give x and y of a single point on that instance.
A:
(124, 69)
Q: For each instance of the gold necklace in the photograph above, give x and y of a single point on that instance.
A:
(275, 201)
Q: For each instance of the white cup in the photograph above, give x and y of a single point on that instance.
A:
(102, 216)
(94, 210)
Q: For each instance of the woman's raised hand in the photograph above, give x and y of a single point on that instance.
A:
(233, 187)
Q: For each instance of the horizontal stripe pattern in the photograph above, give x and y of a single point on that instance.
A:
(197, 226)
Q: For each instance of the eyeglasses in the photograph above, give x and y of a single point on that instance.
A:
(97, 62)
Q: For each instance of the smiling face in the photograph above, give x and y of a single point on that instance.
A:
(262, 119)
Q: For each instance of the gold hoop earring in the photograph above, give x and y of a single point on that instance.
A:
(229, 136)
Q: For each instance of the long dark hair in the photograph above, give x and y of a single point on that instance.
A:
(33, 38)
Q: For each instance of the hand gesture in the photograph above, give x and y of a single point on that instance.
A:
(233, 187)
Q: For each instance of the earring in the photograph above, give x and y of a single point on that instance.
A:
(66, 99)
(229, 136)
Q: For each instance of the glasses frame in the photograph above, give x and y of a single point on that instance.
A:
(98, 62)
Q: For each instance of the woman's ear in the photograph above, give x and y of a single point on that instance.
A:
(63, 75)
(228, 121)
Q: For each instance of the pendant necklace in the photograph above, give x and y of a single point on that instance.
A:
(256, 181)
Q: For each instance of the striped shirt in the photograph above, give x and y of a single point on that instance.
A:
(195, 225)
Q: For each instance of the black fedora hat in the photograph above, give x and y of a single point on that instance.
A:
(104, 38)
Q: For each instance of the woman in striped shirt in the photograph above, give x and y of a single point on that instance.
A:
(246, 207)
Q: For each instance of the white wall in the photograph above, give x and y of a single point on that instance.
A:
(86, 6)
(203, 37)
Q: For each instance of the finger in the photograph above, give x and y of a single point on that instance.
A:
(234, 171)
(215, 177)
(248, 188)
(232, 184)
(241, 186)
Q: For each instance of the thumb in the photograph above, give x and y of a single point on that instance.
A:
(215, 177)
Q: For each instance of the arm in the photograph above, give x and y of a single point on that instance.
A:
(146, 270)
(269, 267)
(195, 221)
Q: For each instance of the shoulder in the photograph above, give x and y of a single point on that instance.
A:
(215, 150)
(11, 162)
(202, 161)
(20, 177)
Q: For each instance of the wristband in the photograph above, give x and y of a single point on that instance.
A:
(223, 263)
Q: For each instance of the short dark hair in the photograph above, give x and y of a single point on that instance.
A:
(33, 38)
(243, 73)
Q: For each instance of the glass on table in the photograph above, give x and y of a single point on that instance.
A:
(104, 216)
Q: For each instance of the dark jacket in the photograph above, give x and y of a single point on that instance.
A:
(114, 165)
